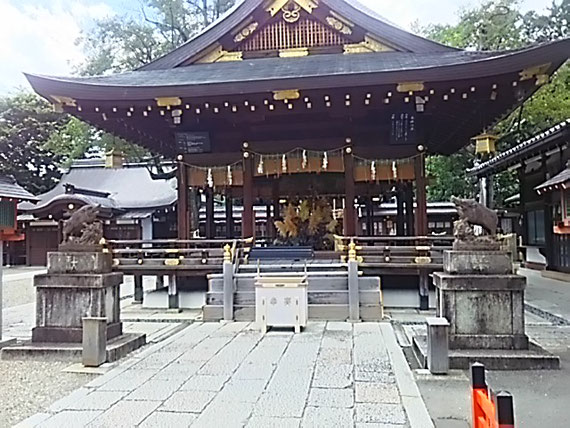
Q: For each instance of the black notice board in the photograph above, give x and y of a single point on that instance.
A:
(193, 142)
(404, 128)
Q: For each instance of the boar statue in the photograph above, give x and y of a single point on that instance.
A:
(82, 228)
(472, 213)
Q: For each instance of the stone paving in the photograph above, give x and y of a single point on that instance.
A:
(229, 375)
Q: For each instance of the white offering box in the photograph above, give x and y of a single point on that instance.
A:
(281, 302)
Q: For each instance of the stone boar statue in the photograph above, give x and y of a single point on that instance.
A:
(79, 221)
(477, 214)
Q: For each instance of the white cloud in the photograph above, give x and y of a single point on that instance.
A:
(41, 39)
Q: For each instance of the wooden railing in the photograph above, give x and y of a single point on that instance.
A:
(175, 254)
(396, 251)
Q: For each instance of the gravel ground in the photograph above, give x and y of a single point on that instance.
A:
(27, 388)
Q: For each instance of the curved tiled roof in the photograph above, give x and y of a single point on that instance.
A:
(525, 147)
(310, 72)
(10, 189)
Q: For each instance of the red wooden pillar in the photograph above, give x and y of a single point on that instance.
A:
(350, 194)
(421, 196)
(247, 219)
(182, 208)
(210, 215)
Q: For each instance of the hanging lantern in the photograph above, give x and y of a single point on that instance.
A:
(210, 179)
(284, 164)
(325, 161)
(485, 143)
(260, 166)
(230, 177)
(305, 160)
(373, 171)
(395, 170)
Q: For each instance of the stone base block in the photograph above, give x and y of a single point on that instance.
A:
(534, 358)
(477, 262)
(70, 334)
(79, 262)
(488, 341)
(7, 342)
(116, 349)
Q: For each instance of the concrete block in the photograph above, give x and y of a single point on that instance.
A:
(438, 345)
(94, 341)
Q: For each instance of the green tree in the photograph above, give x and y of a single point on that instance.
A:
(498, 24)
(77, 140)
(127, 42)
(26, 124)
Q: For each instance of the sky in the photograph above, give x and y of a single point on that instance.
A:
(40, 36)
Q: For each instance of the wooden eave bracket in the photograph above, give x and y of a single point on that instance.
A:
(61, 101)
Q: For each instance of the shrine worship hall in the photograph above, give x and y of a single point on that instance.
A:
(285, 102)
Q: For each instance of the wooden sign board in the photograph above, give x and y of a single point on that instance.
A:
(404, 129)
(193, 142)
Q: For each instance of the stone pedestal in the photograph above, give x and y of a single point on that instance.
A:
(77, 285)
(482, 300)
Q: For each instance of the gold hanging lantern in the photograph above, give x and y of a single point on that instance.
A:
(485, 143)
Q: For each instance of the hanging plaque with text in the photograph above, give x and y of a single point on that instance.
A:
(404, 129)
(193, 142)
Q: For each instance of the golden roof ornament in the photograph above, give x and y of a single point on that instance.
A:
(291, 12)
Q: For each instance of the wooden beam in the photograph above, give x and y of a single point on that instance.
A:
(350, 194)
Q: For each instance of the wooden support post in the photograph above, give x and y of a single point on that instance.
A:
(524, 217)
(438, 345)
(409, 200)
(350, 194)
(182, 208)
(229, 216)
(548, 222)
(159, 282)
(421, 197)
(369, 217)
(138, 295)
(173, 302)
(247, 220)
(210, 220)
(424, 290)
(400, 215)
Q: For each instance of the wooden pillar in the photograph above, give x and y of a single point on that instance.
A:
(210, 220)
(139, 293)
(229, 215)
(409, 200)
(350, 194)
(400, 216)
(269, 225)
(548, 222)
(524, 226)
(369, 217)
(247, 219)
(182, 208)
(421, 196)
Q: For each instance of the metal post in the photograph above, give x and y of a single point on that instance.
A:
(228, 274)
(353, 289)
(505, 410)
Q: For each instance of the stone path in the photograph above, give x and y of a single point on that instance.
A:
(214, 375)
